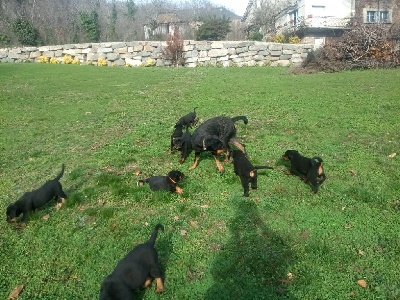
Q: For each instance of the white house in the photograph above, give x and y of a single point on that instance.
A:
(316, 20)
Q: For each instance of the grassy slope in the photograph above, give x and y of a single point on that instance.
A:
(106, 124)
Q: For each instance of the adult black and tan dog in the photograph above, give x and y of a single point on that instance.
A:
(167, 183)
(246, 171)
(216, 135)
(311, 168)
(136, 270)
(52, 189)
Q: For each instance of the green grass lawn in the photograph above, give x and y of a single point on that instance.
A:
(108, 123)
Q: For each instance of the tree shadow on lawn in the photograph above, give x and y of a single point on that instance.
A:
(254, 263)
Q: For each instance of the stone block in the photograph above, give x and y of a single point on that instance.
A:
(276, 53)
(104, 50)
(35, 54)
(121, 50)
(217, 52)
(112, 56)
(217, 45)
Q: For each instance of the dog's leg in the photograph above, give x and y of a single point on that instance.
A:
(253, 182)
(178, 190)
(245, 185)
(160, 285)
(196, 161)
(147, 282)
(239, 145)
(219, 165)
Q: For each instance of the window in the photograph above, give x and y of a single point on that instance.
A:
(374, 16)
(294, 17)
(384, 17)
(371, 16)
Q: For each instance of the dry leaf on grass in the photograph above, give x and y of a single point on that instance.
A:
(15, 293)
(360, 252)
(347, 226)
(136, 173)
(183, 232)
(46, 217)
(176, 218)
(81, 207)
(392, 155)
(362, 283)
(193, 223)
(353, 172)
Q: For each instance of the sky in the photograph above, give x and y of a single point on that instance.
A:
(237, 6)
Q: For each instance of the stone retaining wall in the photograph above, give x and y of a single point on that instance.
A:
(196, 53)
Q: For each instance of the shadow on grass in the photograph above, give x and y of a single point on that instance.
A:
(254, 263)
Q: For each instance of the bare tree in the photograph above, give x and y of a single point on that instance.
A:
(265, 14)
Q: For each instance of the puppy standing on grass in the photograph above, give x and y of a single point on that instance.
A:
(184, 144)
(168, 183)
(137, 269)
(36, 199)
(312, 168)
(246, 171)
(176, 135)
(187, 120)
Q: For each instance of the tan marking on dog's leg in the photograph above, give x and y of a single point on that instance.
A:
(320, 169)
(196, 161)
(63, 200)
(237, 144)
(13, 220)
(58, 205)
(160, 285)
(219, 165)
(251, 173)
(147, 282)
(178, 190)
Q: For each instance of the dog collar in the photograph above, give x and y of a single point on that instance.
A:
(172, 180)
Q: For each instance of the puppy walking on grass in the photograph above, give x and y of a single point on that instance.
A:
(136, 270)
(52, 189)
(246, 171)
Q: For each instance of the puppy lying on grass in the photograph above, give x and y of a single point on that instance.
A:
(52, 189)
(246, 171)
(137, 269)
(167, 183)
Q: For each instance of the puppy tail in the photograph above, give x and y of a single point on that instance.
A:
(153, 237)
(244, 118)
(316, 161)
(61, 173)
(194, 110)
(263, 167)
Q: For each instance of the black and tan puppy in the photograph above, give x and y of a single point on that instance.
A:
(136, 270)
(246, 171)
(52, 189)
(216, 135)
(311, 168)
(176, 135)
(187, 120)
(184, 144)
(168, 183)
